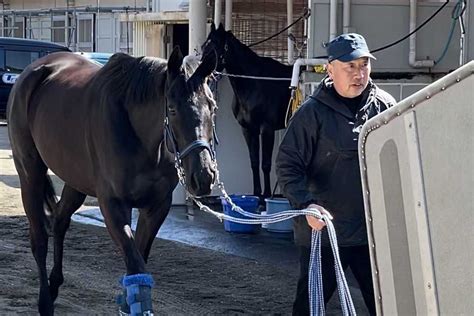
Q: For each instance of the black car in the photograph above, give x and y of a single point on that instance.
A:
(15, 55)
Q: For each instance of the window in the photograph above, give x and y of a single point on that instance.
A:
(124, 30)
(126, 33)
(16, 61)
(13, 29)
(59, 35)
(19, 29)
(85, 31)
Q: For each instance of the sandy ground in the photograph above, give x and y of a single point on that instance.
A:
(189, 280)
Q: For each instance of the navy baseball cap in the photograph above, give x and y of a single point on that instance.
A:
(347, 47)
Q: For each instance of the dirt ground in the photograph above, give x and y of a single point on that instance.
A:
(189, 280)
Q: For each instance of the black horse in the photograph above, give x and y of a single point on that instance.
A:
(108, 132)
(261, 105)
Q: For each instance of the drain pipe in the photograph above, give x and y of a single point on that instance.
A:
(412, 53)
(332, 19)
(197, 25)
(346, 16)
(228, 15)
(217, 13)
(462, 59)
(289, 20)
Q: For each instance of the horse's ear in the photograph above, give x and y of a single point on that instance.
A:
(175, 61)
(207, 66)
(221, 27)
(213, 27)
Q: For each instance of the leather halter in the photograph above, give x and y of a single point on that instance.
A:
(198, 143)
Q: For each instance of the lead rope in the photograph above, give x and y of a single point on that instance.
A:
(315, 283)
(316, 297)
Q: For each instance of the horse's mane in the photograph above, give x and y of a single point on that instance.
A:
(129, 80)
(190, 64)
(132, 80)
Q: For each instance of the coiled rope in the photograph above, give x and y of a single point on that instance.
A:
(315, 284)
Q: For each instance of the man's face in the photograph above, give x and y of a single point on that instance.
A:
(350, 78)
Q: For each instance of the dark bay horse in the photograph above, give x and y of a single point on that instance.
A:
(103, 132)
(261, 105)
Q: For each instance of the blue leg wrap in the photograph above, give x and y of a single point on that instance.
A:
(121, 301)
(138, 287)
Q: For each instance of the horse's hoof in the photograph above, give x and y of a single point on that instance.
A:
(121, 301)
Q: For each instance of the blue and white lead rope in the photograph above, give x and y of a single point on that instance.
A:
(315, 283)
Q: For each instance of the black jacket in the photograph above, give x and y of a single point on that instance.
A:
(317, 161)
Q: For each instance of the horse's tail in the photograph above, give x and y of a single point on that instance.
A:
(17, 114)
(49, 197)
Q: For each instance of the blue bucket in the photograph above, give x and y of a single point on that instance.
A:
(247, 203)
(276, 205)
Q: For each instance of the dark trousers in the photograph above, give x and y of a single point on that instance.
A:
(356, 257)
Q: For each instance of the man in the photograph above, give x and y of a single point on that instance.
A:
(318, 167)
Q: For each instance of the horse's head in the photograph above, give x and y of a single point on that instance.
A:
(190, 120)
(217, 41)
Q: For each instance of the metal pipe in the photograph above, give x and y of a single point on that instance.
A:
(74, 31)
(228, 15)
(332, 19)
(51, 24)
(66, 29)
(346, 16)
(81, 9)
(97, 34)
(135, 40)
(462, 59)
(31, 28)
(3, 21)
(289, 20)
(412, 52)
(307, 29)
(217, 12)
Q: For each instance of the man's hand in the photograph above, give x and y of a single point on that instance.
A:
(315, 222)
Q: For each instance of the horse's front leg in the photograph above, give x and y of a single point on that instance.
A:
(268, 140)
(137, 283)
(117, 217)
(150, 221)
(252, 138)
(70, 201)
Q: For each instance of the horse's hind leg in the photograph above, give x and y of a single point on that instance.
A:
(268, 139)
(252, 138)
(32, 174)
(70, 201)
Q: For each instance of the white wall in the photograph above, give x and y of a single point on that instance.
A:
(384, 22)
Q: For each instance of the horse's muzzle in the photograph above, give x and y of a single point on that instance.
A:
(203, 174)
